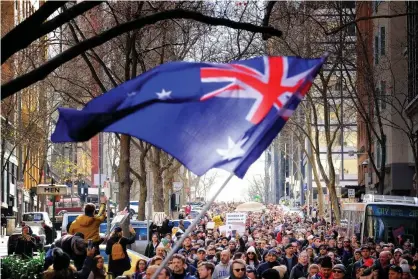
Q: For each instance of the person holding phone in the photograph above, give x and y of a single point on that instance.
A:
(116, 249)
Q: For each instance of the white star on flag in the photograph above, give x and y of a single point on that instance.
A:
(164, 95)
(234, 149)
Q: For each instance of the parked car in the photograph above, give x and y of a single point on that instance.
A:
(38, 234)
(36, 218)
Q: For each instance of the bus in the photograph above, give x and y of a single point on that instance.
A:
(383, 218)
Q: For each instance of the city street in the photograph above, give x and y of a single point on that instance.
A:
(209, 139)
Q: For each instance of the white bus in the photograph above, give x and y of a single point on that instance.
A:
(382, 218)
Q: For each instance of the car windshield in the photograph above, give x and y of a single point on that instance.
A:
(31, 217)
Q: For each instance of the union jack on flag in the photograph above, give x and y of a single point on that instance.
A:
(205, 115)
(270, 87)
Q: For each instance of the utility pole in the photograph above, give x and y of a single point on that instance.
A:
(20, 174)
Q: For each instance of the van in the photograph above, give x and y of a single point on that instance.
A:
(67, 219)
(141, 230)
(36, 218)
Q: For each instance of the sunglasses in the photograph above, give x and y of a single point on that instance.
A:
(337, 271)
(240, 269)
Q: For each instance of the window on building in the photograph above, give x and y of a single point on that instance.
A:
(382, 40)
(383, 94)
(376, 50)
(13, 173)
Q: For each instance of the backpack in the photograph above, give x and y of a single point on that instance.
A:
(117, 251)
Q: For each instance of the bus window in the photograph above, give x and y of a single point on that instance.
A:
(390, 222)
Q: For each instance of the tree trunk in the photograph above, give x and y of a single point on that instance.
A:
(335, 205)
(124, 172)
(143, 193)
(168, 186)
(319, 188)
(158, 191)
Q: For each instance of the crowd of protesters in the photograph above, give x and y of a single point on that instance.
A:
(274, 245)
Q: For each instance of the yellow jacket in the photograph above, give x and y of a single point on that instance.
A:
(89, 226)
(218, 221)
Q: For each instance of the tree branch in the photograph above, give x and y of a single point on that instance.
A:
(41, 72)
(338, 29)
(32, 28)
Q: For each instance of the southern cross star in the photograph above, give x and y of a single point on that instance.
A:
(234, 150)
(164, 95)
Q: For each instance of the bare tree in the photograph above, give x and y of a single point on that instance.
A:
(256, 188)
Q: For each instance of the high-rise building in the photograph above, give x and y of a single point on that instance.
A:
(23, 125)
(303, 25)
(385, 55)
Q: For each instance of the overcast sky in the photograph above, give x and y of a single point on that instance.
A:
(237, 189)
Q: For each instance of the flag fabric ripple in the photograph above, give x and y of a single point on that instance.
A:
(206, 115)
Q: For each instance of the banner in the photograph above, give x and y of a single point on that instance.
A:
(236, 218)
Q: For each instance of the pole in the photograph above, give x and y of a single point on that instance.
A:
(53, 212)
(190, 228)
(108, 208)
(148, 206)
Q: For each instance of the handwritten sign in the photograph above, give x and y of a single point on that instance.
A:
(158, 218)
(236, 218)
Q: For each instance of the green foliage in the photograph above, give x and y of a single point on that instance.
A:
(14, 267)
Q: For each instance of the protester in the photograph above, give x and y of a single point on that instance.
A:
(116, 249)
(26, 244)
(88, 224)
(62, 269)
(98, 271)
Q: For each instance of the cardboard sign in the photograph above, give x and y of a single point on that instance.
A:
(236, 218)
(210, 225)
(158, 218)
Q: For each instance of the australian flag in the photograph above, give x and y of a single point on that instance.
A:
(206, 115)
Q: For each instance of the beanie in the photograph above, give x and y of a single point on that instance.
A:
(60, 259)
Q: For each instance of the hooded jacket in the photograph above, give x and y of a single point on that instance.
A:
(87, 225)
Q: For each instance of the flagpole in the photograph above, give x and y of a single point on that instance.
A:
(190, 228)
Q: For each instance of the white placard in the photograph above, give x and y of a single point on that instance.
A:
(210, 225)
(177, 186)
(351, 193)
(236, 218)
(158, 218)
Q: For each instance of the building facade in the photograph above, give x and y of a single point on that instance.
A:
(385, 47)
(23, 124)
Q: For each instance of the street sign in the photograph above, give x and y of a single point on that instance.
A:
(351, 193)
(51, 190)
(177, 186)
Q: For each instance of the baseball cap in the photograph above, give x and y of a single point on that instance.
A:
(396, 268)
(310, 237)
(398, 250)
(364, 247)
(201, 250)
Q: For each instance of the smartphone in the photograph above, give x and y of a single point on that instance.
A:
(90, 244)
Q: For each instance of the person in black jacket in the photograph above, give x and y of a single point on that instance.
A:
(61, 267)
(25, 244)
(117, 267)
(301, 268)
(152, 246)
(272, 261)
(289, 259)
(49, 235)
